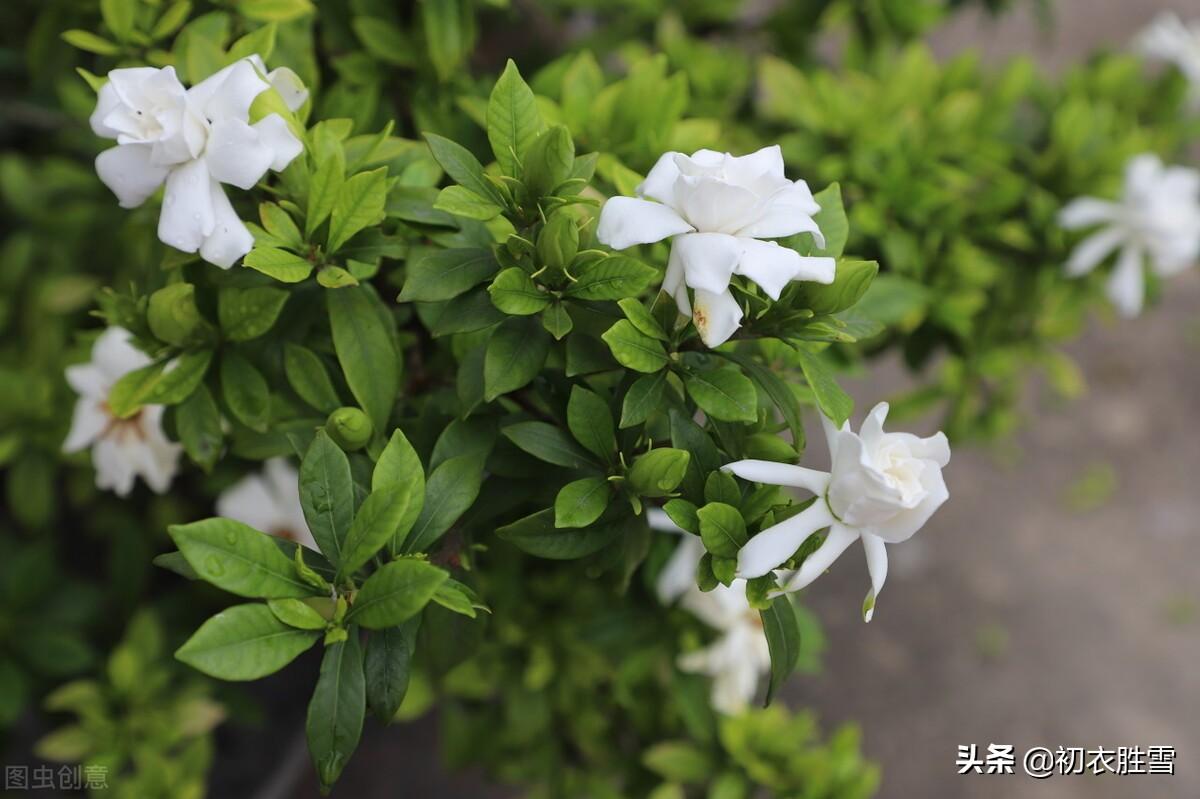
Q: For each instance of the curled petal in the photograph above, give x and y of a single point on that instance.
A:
(289, 86)
(773, 546)
(129, 173)
(660, 182)
(229, 239)
(626, 221)
(708, 260)
(279, 138)
(107, 101)
(1126, 287)
(877, 567)
(236, 154)
(786, 212)
(229, 93)
(712, 205)
(772, 267)
(779, 474)
(747, 168)
(187, 216)
(840, 537)
(716, 317)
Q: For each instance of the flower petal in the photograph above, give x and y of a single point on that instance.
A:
(187, 216)
(674, 285)
(679, 574)
(744, 169)
(626, 221)
(716, 317)
(1092, 250)
(236, 154)
(279, 138)
(877, 567)
(290, 87)
(772, 267)
(1087, 211)
(840, 537)
(660, 182)
(713, 206)
(229, 93)
(1126, 287)
(786, 212)
(904, 524)
(107, 101)
(779, 474)
(708, 259)
(87, 423)
(773, 546)
(114, 470)
(129, 173)
(229, 239)
(115, 356)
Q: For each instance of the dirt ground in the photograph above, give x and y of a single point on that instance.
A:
(1054, 600)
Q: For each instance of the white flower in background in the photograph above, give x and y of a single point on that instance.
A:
(739, 657)
(882, 488)
(1157, 219)
(270, 502)
(193, 140)
(122, 449)
(1169, 39)
(719, 207)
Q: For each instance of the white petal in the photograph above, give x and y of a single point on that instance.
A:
(779, 474)
(777, 543)
(107, 101)
(679, 574)
(713, 206)
(767, 161)
(660, 183)
(1092, 250)
(187, 214)
(229, 239)
(772, 267)
(87, 423)
(129, 173)
(250, 502)
(114, 470)
(673, 282)
(716, 317)
(871, 430)
(708, 259)
(1142, 174)
(1126, 286)
(626, 221)
(88, 381)
(1087, 211)
(832, 435)
(232, 95)
(161, 455)
(785, 213)
(877, 567)
(236, 154)
(840, 537)
(289, 86)
(279, 138)
(114, 354)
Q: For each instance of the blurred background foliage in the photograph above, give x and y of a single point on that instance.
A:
(952, 173)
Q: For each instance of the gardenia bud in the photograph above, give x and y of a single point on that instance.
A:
(349, 428)
(558, 242)
(173, 315)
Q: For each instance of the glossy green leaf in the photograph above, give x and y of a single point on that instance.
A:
(722, 529)
(244, 642)
(327, 495)
(337, 709)
(365, 350)
(581, 502)
(239, 559)
(395, 593)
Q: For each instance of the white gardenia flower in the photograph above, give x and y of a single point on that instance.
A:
(882, 488)
(270, 502)
(193, 140)
(1170, 39)
(1157, 220)
(740, 656)
(122, 449)
(719, 208)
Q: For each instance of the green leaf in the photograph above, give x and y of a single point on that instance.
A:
(642, 398)
(557, 320)
(284, 266)
(449, 34)
(395, 593)
(581, 502)
(450, 491)
(633, 349)
(387, 42)
(245, 391)
(725, 394)
(260, 42)
(781, 394)
(722, 487)
(658, 472)
(90, 42)
(120, 17)
(514, 292)
(642, 318)
(591, 422)
(337, 709)
(308, 377)
(360, 202)
(679, 761)
(683, 514)
(325, 186)
(297, 613)
(613, 278)
(159, 383)
(327, 495)
(706, 458)
(548, 443)
(782, 629)
(238, 559)
(244, 642)
(461, 201)
(831, 399)
(399, 464)
(722, 529)
(331, 276)
(388, 666)
(831, 219)
(437, 275)
(537, 535)
(513, 119)
(366, 351)
(463, 168)
(851, 282)
(249, 313)
(375, 524)
(172, 19)
(198, 423)
(515, 354)
(275, 10)
(548, 161)
(459, 598)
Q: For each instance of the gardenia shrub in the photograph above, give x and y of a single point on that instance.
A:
(487, 378)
